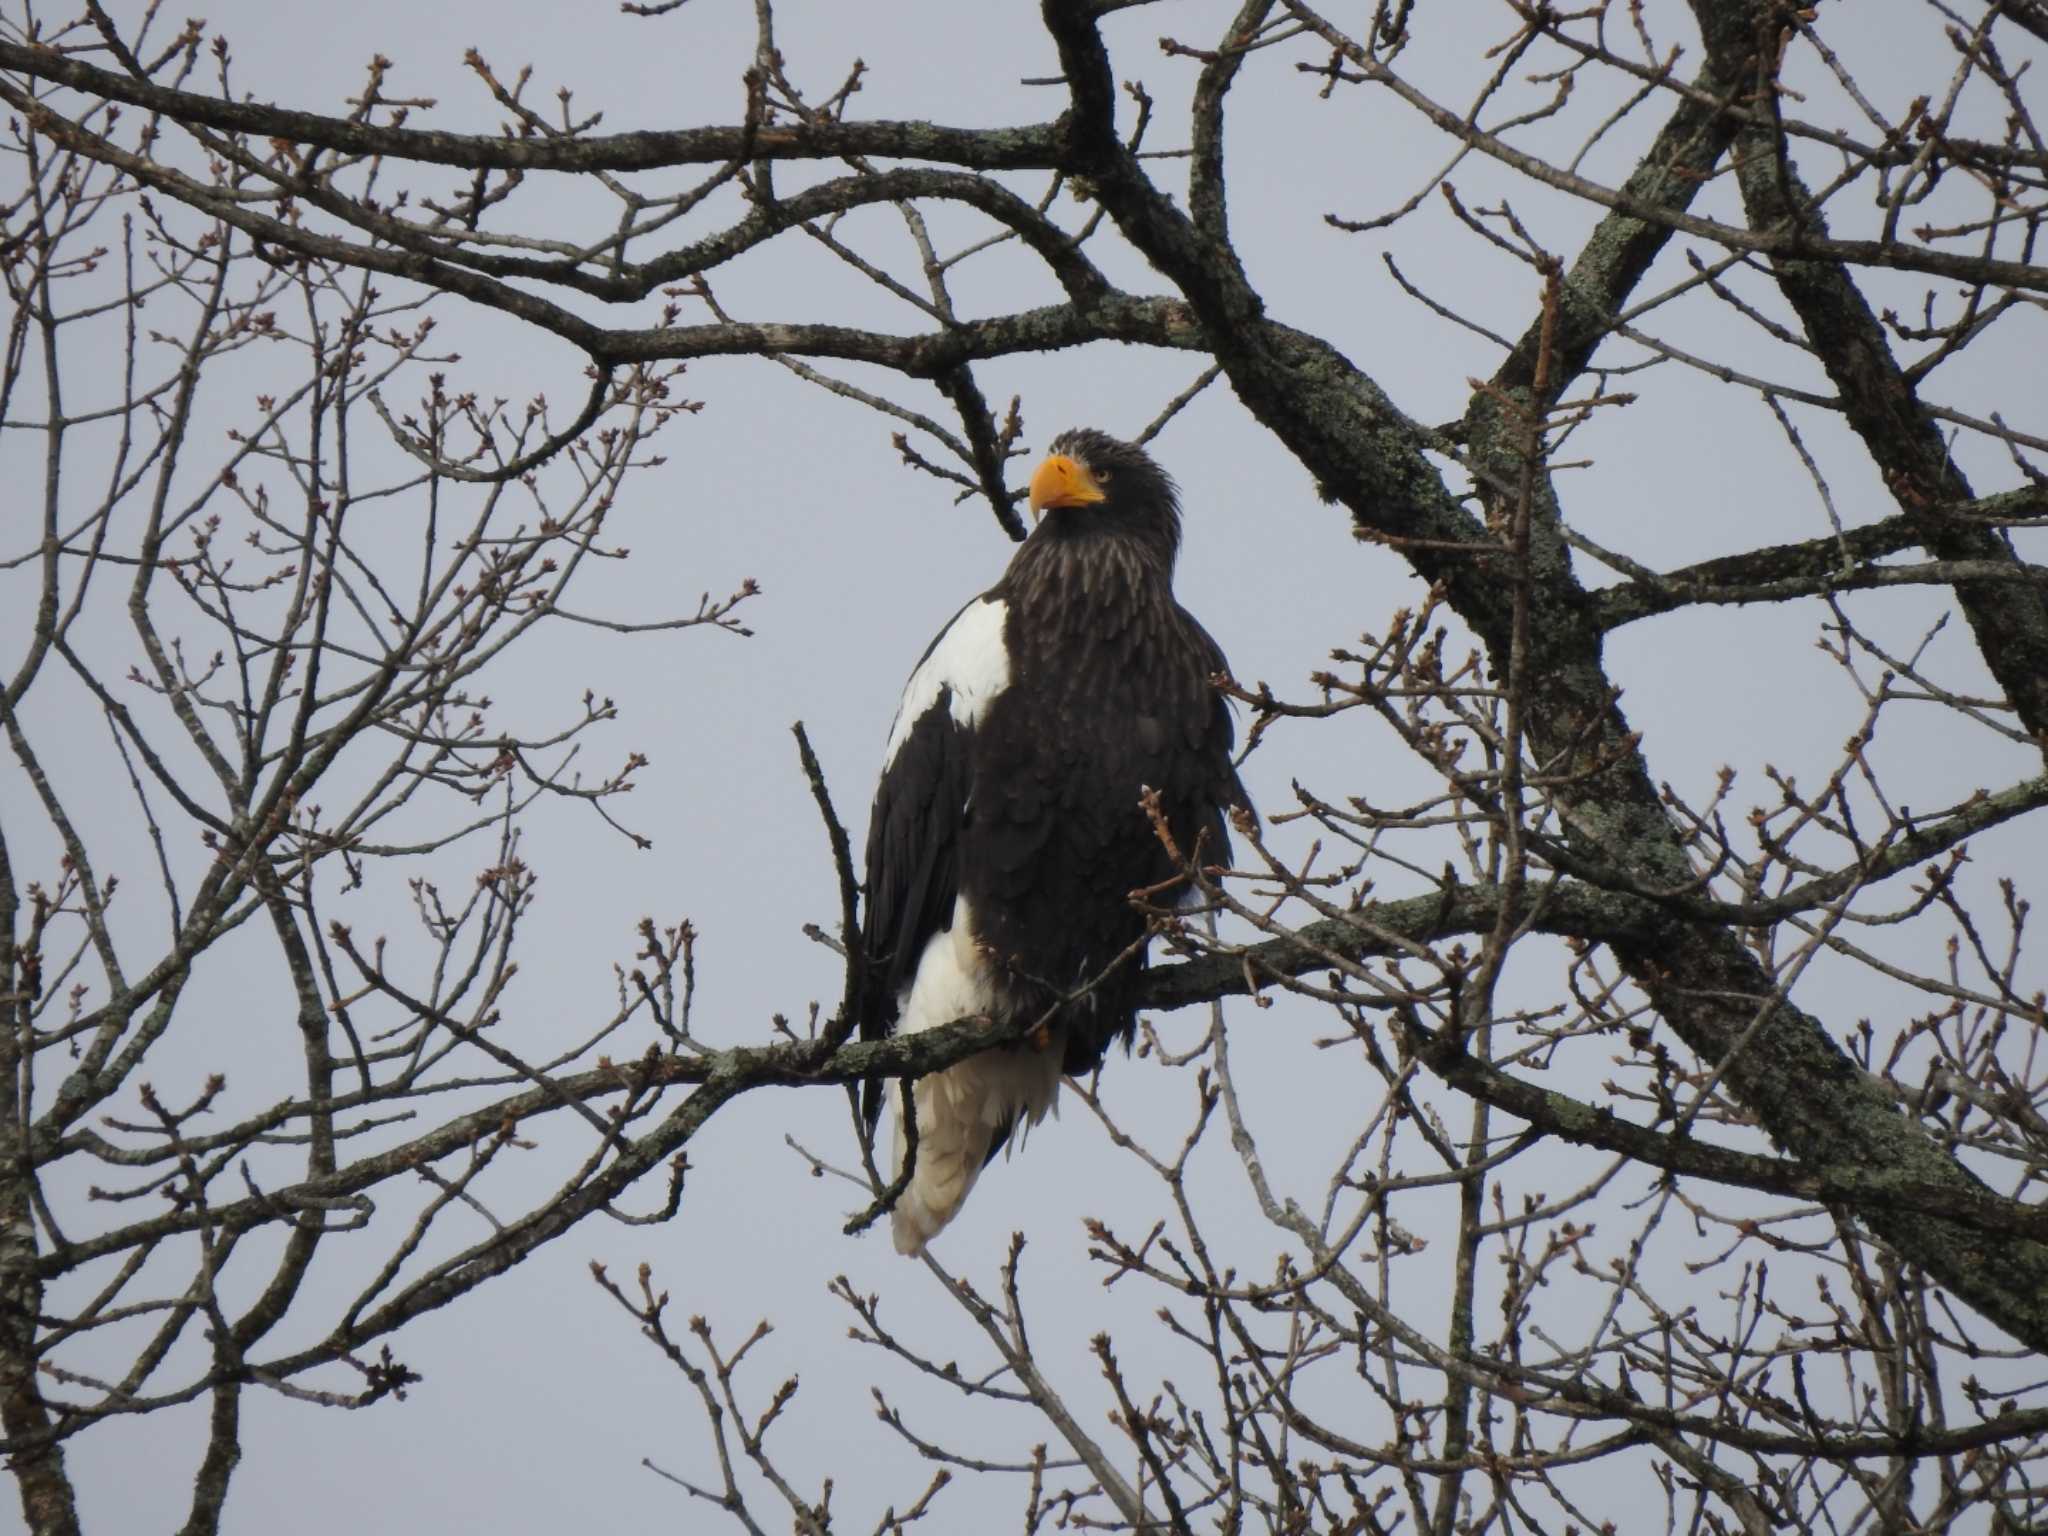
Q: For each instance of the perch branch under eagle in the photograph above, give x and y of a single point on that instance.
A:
(1007, 831)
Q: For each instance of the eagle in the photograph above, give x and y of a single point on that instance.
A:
(1010, 827)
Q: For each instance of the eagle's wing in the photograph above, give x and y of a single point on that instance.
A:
(1217, 745)
(921, 803)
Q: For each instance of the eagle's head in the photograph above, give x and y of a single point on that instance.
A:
(1092, 485)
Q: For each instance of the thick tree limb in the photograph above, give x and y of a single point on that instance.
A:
(2009, 619)
(987, 149)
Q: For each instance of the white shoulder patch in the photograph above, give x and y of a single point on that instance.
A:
(970, 664)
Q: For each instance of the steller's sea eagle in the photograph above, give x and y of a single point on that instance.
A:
(1007, 834)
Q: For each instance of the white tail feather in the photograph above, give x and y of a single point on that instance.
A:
(959, 1112)
(960, 1109)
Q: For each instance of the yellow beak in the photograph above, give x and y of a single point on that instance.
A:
(1062, 482)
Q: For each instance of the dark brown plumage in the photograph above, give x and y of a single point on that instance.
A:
(1007, 832)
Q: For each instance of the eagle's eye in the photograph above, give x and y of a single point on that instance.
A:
(1102, 476)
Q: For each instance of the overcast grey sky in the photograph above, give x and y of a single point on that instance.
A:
(539, 1401)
